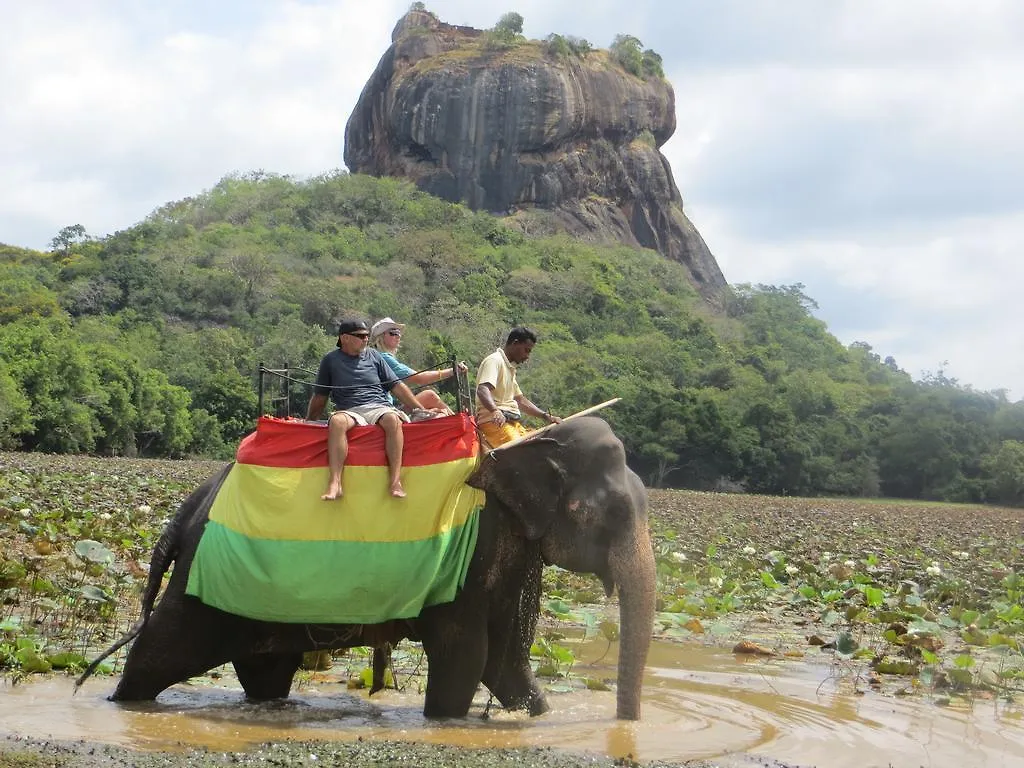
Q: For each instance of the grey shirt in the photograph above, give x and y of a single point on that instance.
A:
(362, 380)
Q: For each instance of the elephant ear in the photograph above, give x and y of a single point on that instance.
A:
(528, 479)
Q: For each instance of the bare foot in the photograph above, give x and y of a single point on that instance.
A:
(334, 492)
(397, 491)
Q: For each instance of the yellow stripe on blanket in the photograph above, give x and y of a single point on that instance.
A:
(284, 503)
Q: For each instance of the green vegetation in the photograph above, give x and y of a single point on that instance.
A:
(146, 343)
(560, 46)
(922, 598)
(646, 139)
(908, 597)
(631, 56)
(507, 33)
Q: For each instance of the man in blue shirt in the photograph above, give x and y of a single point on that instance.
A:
(358, 381)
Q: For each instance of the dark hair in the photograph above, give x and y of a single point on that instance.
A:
(520, 334)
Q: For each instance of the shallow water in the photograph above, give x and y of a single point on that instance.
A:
(698, 703)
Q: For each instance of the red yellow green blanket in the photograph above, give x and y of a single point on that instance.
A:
(272, 550)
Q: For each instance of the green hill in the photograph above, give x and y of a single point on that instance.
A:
(146, 342)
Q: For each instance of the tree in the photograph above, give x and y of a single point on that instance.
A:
(1006, 469)
(628, 51)
(231, 399)
(254, 270)
(23, 293)
(55, 373)
(67, 237)
(652, 64)
(506, 33)
(15, 412)
(510, 25)
(165, 420)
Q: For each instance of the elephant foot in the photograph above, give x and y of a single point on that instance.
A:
(135, 687)
(267, 676)
(538, 706)
(536, 703)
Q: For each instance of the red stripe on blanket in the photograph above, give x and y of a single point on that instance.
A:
(297, 443)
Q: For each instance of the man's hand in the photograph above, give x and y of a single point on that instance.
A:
(497, 417)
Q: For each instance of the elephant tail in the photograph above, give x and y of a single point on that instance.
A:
(128, 637)
(164, 554)
(166, 551)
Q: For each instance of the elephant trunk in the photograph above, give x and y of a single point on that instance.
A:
(634, 574)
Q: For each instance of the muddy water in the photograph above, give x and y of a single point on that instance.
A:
(698, 703)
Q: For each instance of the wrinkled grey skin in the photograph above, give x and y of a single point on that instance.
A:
(566, 498)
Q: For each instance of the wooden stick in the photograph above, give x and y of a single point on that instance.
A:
(542, 430)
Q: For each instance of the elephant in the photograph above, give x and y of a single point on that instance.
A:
(565, 498)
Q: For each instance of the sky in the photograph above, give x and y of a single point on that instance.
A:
(870, 150)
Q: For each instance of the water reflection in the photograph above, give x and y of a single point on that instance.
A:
(698, 703)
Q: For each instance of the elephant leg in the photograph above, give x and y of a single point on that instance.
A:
(177, 643)
(456, 655)
(512, 681)
(381, 662)
(267, 676)
(508, 674)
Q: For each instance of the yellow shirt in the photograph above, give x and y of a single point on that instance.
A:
(496, 370)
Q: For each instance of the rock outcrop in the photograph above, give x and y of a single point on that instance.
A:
(512, 129)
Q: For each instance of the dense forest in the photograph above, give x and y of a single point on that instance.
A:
(146, 342)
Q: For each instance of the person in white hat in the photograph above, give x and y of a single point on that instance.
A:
(385, 337)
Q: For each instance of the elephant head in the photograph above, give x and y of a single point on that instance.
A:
(571, 490)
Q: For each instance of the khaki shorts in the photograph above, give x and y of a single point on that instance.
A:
(364, 415)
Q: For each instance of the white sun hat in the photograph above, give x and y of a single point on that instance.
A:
(381, 326)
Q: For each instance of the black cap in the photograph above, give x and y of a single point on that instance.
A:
(351, 326)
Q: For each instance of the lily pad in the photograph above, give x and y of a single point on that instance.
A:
(94, 594)
(845, 644)
(593, 684)
(93, 552)
(67, 659)
(893, 666)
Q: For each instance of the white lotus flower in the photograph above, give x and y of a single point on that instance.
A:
(679, 557)
(791, 569)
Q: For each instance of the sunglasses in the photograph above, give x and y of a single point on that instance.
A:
(394, 333)
(363, 336)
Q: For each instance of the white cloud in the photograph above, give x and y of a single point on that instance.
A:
(952, 298)
(877, 162)
(136, 120)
